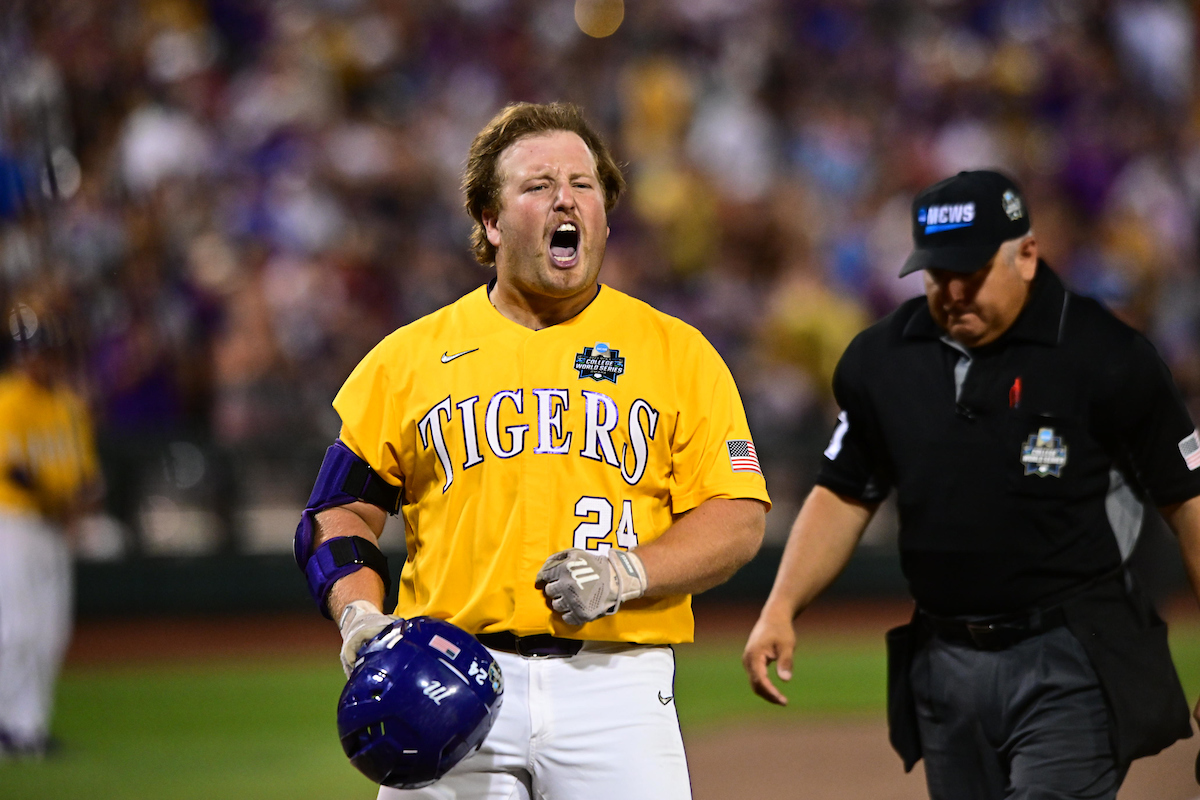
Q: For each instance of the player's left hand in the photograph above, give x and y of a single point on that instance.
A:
(583, 585)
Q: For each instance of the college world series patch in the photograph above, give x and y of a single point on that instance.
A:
(600, 363)
(1044, 454)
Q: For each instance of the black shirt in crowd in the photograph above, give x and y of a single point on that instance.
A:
(1003, 456)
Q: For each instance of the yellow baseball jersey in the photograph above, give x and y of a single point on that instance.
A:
(512, 444)
(47, 452)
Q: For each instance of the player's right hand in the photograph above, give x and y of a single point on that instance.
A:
(772, 639)
(361, 622)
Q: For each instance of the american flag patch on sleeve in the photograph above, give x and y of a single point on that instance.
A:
(445, 645)
(742, 457)
(1189, 448)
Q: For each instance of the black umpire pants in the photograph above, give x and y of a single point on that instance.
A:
(1025, 723)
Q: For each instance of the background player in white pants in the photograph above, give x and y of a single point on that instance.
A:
(48, 473)
(574, 464)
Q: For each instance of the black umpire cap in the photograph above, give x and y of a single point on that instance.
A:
(960, 223)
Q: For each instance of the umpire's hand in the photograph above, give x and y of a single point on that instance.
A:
(773, 639)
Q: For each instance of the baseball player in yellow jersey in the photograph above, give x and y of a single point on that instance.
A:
(47, 472)
(572, 465)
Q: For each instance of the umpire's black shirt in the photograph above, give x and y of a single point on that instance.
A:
(1002, 490)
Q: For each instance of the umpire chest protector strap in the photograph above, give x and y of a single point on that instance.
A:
(343, 478)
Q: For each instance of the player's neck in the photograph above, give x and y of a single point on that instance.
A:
(536, 311)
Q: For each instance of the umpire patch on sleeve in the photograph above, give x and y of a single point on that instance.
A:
(1189, 448)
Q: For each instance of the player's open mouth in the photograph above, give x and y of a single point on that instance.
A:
(564, 245)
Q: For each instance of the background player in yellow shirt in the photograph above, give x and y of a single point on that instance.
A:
(48, 474)
(572, 466)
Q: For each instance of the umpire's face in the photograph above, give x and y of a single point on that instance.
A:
(975, 308)
(551, 227)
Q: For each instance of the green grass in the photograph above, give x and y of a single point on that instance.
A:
(1185, 647)
(263, 730)
(835, 677)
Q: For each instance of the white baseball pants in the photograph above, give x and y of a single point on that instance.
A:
(35, 624)
(600, 725)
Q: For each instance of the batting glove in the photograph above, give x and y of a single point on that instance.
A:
(583, 585)
(361, 622)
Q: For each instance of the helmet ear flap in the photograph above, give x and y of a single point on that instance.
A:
(418, 703)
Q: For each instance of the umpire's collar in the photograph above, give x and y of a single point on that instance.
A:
(1041, 320)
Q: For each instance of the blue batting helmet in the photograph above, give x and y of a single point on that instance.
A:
(423, 694)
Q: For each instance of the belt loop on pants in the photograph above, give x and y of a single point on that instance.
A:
(541, 645)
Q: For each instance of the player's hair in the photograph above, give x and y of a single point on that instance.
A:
(481, 183)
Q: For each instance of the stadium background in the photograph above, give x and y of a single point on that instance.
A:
(231, 201)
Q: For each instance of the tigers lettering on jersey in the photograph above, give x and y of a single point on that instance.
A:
(601, 419)
(539, 441)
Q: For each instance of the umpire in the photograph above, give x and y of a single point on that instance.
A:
(1021, 425)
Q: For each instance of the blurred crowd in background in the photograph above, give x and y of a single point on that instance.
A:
(230, 201)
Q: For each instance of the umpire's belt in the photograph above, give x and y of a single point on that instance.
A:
(993, 633)
(541, 645)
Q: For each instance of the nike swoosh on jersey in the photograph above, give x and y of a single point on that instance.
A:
(447, 358)
(665, 700)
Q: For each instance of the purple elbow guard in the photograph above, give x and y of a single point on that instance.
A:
(337, 558)
(343, 478)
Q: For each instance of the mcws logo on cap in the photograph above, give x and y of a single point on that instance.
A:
(946, 217)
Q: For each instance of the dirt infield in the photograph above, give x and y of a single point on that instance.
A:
(162, 639)
(851, 760)
(157, 639)
(838, 759)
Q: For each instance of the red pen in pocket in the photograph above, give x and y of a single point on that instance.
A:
(1014, 394)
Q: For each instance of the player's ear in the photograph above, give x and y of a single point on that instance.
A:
(491, 227)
